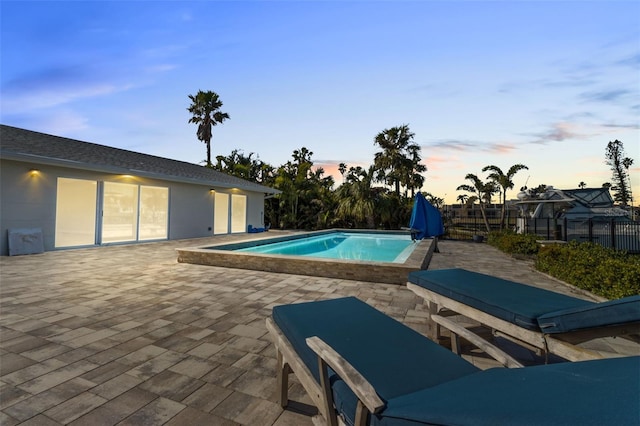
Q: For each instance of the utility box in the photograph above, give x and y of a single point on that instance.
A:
(25, 241)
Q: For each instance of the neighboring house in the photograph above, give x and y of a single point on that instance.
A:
(83, 194)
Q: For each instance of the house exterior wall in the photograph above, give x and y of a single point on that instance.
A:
(29, 201)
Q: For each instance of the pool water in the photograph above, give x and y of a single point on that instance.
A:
(343, 245)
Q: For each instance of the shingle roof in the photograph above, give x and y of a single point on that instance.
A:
(41, 148)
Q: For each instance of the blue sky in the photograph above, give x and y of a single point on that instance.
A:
(542, 83)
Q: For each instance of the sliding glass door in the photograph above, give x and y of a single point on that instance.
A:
(130, 212)
(76, 212)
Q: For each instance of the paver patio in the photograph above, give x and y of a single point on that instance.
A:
(125, 335)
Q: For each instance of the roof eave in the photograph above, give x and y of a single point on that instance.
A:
(50, 161)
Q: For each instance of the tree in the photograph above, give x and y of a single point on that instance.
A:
(244, 166)
(342, 168)
(437, 202)
(504, 181)
(416, 168)
(307, 199)
(462, 198)
(205, 111)
(582, 185)
(481, 191)
(356, 197)
(620, 168)
(398, 164)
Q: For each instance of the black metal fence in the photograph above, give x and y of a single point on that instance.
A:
(621, 235)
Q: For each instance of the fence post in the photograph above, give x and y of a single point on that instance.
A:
(613, 234)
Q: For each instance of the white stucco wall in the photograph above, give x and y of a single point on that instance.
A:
(29, 201)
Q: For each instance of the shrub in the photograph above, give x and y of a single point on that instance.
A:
(512, 243)
(600, 270)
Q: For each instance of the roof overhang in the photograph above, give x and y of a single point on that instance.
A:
(37, 159)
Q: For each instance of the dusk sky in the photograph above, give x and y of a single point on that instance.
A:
(543, 83)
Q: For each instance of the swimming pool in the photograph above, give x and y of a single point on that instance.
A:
(392, 266)
(343, 245)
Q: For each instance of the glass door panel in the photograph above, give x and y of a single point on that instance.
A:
(221, 214)
(119, 212)
(238, 213)
(75, 212)
(154, 213)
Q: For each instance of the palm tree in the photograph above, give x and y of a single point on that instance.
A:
(462, 198)
(582, 185)
(357, 197)
(205, 110)
(342, 168)
(416, 180)
(504, 181)
(481, 191)
(399, 162)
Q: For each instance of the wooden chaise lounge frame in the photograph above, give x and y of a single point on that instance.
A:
(443, 378)
(320, 394)
(440, 308)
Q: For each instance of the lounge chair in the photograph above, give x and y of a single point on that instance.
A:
(361, 367)
(541, 320)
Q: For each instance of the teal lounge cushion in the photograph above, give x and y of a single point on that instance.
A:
(613, 312)
(601, 392)
(395, 359)
(513, 302)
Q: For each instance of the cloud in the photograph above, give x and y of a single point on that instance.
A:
(562, 131)
(55, 86)
(633, 126)
(161, 68)
(631, 61)
(466, 146)
(559, 132)
(605, 95)
(60, 122)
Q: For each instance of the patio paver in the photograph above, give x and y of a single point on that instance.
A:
(125, 335)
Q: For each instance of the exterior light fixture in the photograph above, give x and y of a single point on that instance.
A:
(34, 172)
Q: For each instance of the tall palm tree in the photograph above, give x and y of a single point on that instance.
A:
(504, 182)
(342, 168)
(399, 161)
(481, 191)
(205, 110)
(416, 180)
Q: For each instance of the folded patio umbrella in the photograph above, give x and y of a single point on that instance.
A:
(425, 218)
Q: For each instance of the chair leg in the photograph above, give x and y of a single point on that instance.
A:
(283, 380)
(329, 411)
(362, 414)
(433, 327)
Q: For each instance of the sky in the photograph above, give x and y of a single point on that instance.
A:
(546, 84)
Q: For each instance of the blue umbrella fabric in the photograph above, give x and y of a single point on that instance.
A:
(425, 218)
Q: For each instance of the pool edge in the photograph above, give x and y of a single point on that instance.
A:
(382, 272)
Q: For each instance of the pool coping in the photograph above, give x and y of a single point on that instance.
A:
(383, 272)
